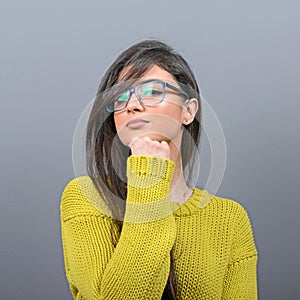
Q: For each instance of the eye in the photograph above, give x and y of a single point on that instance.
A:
(122, 97)
(151, 90)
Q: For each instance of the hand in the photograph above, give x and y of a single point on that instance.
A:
(145, 146)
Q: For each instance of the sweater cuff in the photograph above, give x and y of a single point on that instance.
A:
(149, 180)
(147, 171)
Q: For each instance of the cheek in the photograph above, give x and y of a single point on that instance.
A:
(172, 114)
(120, 122)
(165, 127)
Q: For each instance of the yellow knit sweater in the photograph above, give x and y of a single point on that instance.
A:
(211, 240)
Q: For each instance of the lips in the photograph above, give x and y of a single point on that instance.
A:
(136, 123)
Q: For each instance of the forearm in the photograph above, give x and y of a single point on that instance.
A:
(138, 267)
(141, 257)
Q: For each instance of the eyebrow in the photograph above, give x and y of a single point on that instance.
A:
(151, 80)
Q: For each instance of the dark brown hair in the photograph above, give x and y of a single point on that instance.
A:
(103, 145)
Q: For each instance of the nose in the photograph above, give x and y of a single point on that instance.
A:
(134, 104)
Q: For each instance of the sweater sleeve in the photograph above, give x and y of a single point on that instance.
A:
(240, 280)
(138, 267)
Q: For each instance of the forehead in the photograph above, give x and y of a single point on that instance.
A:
(154, 72)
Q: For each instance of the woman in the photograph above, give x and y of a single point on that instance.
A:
(134, 228)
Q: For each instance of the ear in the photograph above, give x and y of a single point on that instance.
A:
(190, 109)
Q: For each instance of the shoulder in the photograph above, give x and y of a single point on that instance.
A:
(214, 204)
(238, 225)
(80, 197)
(229, 207)
(243, 242)
(223, 210)
(231, 219)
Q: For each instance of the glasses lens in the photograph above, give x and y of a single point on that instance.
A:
(151, 92)
(121, 100)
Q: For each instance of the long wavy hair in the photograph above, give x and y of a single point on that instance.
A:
(105, 154)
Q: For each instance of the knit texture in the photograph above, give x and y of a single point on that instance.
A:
(210, 237)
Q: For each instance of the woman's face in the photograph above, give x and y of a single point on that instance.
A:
(162, 122)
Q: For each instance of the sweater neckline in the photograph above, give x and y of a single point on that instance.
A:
(198, 200)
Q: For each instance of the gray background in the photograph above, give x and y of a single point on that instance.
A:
(53, 54)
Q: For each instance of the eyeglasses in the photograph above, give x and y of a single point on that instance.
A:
(147, 93)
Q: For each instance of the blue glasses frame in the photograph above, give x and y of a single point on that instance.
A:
(110, 107)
